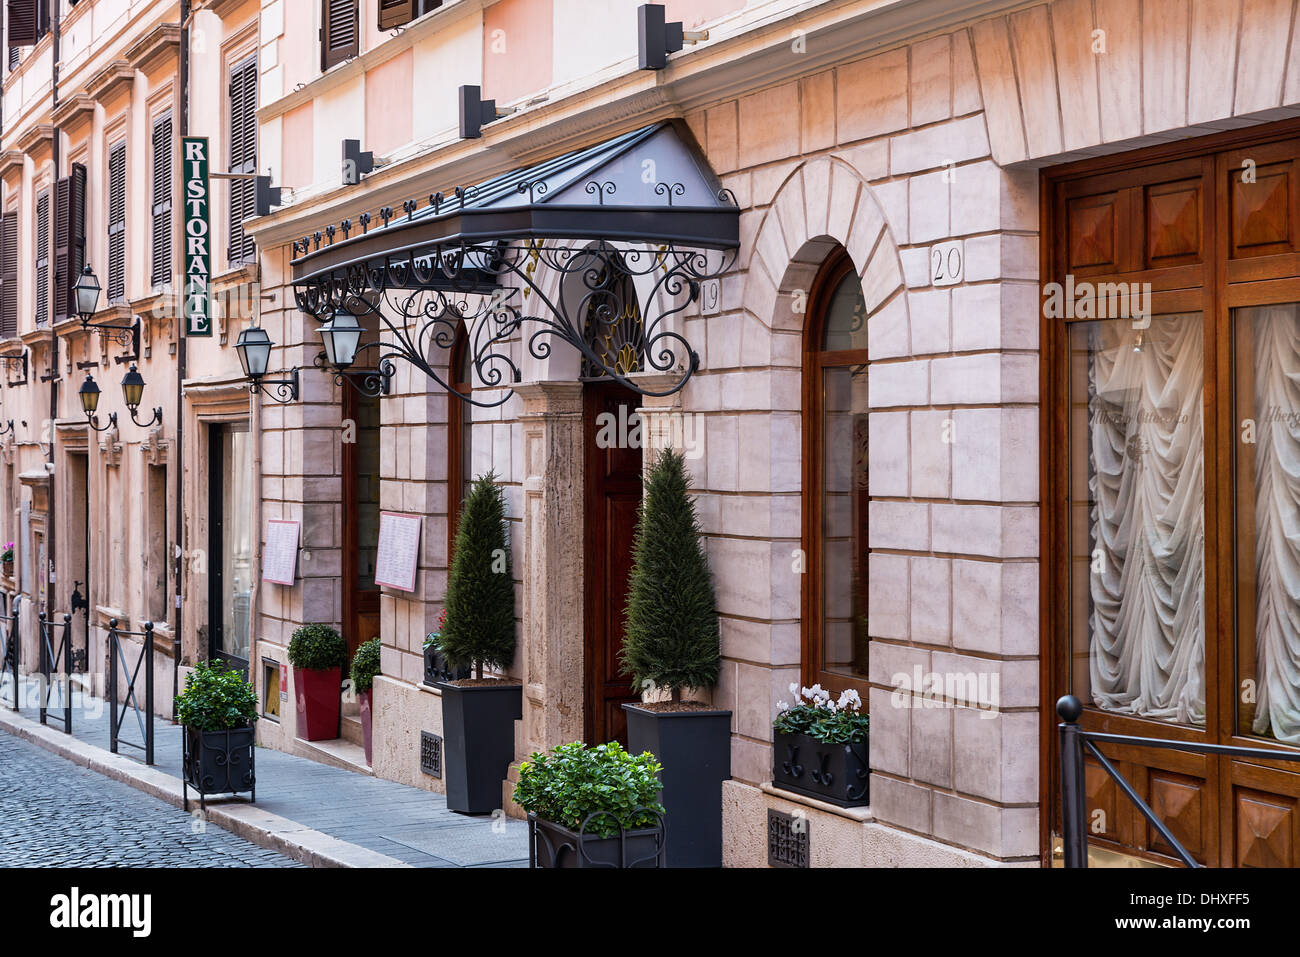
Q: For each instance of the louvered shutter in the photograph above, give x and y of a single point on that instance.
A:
(23, 16)
(338, 32)
(62, 284)
(8, 276)
(117, 223)
(161, 272)
(42, 290)
(14, 56)
(393, 13)
(242, 157)
(76, 233)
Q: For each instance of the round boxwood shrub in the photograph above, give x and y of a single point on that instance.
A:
(216, 699)
(317, 647)
(575, 781)
(365, 665)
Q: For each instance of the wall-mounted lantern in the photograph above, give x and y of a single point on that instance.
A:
(85, 293)
(132, 393)
(89, 396)
(254, 348)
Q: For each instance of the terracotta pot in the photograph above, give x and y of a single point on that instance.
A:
(364, 700)
(316, 694)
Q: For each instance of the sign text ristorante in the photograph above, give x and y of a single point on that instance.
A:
(198, 237)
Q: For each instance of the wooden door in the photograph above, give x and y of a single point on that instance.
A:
(360, 519)
(1207, 236)
(612, 467)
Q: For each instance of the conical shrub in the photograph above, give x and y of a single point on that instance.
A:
(480, 628)
(670, 634)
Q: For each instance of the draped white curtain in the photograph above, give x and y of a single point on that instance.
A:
(1277, 519)
(1146, 484)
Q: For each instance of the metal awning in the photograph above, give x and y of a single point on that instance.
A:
(649, 186)
(644, 206)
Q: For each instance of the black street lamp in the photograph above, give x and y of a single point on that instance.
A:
(133, 392)
(89, 396)
(85, 294)
(341, 335)
(254, 348)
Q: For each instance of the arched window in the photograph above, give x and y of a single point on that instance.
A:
(835, 492)
(460, 433)
(612, 323)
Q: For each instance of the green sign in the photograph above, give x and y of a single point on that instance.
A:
(198, 236)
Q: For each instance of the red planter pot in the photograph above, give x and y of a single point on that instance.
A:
(316, 693)
(364, 699)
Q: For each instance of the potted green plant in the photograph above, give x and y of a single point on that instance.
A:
(365, 665)
(671, 643)
(479, 712)
(592, 807)
(7, 559)
(435, 662)
(218, 709)
(318, 654)
(819, 746)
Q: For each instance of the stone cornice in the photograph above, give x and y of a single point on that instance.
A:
(38, 136)
(73, 111)
(108, 81)
(9, 159)
(163, 40)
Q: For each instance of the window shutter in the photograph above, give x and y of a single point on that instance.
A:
(14, 55)
(338, 32)
(393, 13)
(242, 157)
(161, 271)
(42, 290)
(62, 242)
(117, 223)
(76, 232)
(22, 17)
(8, 276)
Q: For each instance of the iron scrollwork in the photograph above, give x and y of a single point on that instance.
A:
(369, 382)
(494, 288)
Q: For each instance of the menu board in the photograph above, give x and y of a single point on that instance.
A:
(280, 557)
(399, 550)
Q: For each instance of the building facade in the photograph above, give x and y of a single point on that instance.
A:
(993, 403)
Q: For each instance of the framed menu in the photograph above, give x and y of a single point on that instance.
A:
(399, 550)
(280, 557)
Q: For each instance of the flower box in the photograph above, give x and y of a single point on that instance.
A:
(218, 762)
(836, 773)
(553, 845)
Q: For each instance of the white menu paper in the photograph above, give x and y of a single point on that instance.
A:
(399, 550)
(280, 557)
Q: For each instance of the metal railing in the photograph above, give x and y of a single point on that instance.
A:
(9, 644)
(1075, 741)
(51, 657)
(117, 661)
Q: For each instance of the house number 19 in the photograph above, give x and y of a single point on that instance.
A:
(947, 263)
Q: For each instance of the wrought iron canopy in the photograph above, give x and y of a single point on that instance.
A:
(644, 205)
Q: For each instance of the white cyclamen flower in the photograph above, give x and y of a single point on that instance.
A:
(782, 706)
(850, 699)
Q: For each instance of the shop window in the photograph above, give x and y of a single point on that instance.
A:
(155, 557)
(230, 542)
(836, 494)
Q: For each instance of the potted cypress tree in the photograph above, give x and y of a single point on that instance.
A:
(365, 665)
(217, 710)
(671, 642)
(479, 712)
(318, 654)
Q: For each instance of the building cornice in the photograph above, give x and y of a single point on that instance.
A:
(164, 40)
(11, 158)
(115, 75)
(71, 112)
(35, 137)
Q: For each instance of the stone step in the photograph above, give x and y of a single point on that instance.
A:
(351, 728)
(338, 753)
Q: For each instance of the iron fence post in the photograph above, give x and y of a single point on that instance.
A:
(14, 646)
(112, 685)
(42, 664)
(1073, 812)
(67, 673)
(148, 692)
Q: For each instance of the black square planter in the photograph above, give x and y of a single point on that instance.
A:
(834, 773)
(478, 742)
(436, 668)
(553, 845)
(694, 748)
(217, 762)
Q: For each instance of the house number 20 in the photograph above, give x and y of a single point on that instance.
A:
(947, 263)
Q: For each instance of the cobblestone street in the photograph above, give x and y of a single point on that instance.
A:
(54, 813)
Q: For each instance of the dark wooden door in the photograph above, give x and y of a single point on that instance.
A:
(613, 494)
(1211, 233)
(360, 518)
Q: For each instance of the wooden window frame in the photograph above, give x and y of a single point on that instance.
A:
(815, 360)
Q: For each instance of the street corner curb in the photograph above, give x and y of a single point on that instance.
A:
(263, 828)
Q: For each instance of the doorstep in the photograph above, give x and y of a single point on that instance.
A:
(336, 752)
(297, 841)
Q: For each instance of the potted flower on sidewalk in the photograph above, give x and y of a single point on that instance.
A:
(318, 654)
(592, 807)
(819, 747)
(479, 712)
(7, 559)
(217, 708)
(365, 665)
(671, 643)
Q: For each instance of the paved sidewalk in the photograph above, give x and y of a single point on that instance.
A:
(312, 812)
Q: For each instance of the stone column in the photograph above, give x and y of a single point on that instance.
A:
(550, 658)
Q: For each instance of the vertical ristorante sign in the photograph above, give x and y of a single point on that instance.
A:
(198, 236)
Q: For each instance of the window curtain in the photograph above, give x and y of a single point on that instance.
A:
(1147, 518)
(1277, 520)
